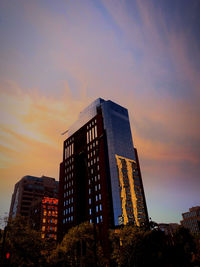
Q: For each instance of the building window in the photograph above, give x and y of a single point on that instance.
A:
(100, 207)
(90, 201)
(90, 211)
(97, 219)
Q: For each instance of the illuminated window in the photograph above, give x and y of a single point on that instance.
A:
(44, 220)
(43, 228)
(43, 235)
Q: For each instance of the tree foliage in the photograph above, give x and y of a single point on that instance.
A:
(131, 247)
(135, 247)
(23, 243)
(78, 248)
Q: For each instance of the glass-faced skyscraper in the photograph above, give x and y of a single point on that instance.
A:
(100, 179)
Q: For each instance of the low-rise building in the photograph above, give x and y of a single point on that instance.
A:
(191, 220)
(30, 189)
(44, 217)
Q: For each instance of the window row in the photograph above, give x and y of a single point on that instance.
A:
(91, 153)
(97, 198)
(68, 219)
(69, 151)
(68, 193)
(93, 161)
(92, 145)
(99, 219)
(68, 169)
(91, 134)
(68, 211)
(69, 184)
(95, 178)
(96, 188)
(97, 209)
(54, 221)
(49, 228)
(93, 169)
(91, 124)
(69, 176)
(68, 201)
(50, 213)
(50, 207)
(69, 161)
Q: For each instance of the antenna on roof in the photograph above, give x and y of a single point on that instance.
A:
(64, 132)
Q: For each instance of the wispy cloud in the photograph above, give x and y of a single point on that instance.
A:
(68, 53)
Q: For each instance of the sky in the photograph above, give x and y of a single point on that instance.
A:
(56, 57)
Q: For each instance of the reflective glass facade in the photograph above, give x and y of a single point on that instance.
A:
(106, 139)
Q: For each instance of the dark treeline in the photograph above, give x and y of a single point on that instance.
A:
(130, 246)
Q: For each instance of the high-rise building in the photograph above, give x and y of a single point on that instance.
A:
(191, 220)
(100, 178)
(28, 190)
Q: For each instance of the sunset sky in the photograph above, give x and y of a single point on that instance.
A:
(58, 56)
